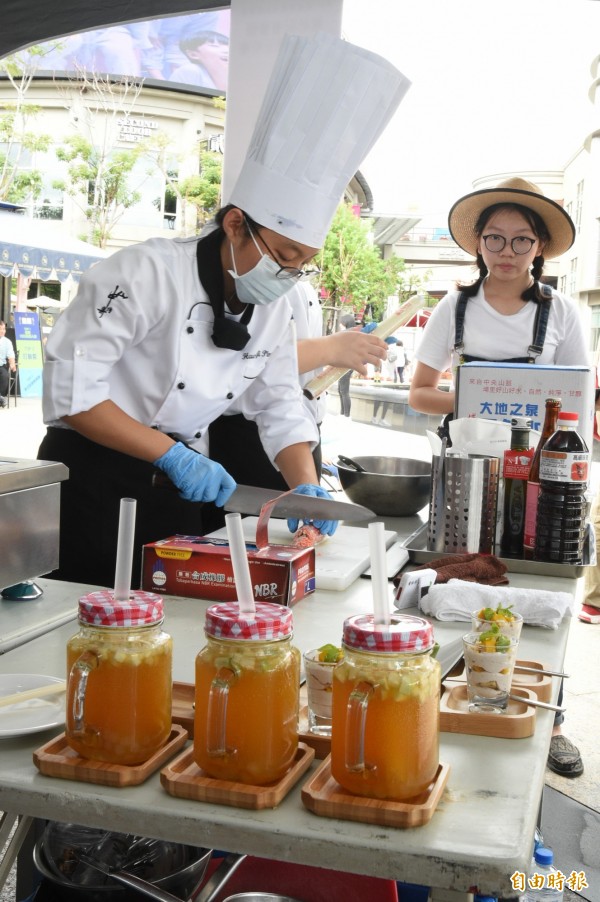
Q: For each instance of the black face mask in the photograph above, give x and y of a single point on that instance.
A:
(230, 334)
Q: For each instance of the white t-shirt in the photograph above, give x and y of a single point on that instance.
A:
(494, 336)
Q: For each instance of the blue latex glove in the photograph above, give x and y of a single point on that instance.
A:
(327, 527)
(197, 477)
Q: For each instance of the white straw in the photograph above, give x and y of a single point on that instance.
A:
(239, 561)
(379, 583)
(125, 549)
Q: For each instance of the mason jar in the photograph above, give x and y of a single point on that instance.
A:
(386, 700)
(247, 694)
(119, 681)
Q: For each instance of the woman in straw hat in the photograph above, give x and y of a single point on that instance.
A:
(507, 315)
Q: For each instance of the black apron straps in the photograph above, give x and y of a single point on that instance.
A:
(539, 329)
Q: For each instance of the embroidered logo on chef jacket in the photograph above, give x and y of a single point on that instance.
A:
(111, 297)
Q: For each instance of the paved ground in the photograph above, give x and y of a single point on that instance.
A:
(21, 430)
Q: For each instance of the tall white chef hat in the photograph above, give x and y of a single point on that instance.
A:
(326, 104)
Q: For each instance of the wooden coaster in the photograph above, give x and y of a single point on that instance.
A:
(182, 710)
(539, 683)
(455, 717)
(57, 759)
(184, 779)
(324, 796)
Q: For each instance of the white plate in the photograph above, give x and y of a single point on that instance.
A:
(33, 715)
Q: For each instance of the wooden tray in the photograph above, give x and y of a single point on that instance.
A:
(182, 706)
(324, 796)
(184, 779)
(57, 759)
(538, 683)
(455, 717)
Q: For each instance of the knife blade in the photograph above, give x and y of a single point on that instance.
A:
(249, 499)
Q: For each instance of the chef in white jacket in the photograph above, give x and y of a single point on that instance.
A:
(166, 335)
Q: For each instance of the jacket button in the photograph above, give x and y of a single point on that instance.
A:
(189, 330)
(229, 395)
(198, 435)
(181, 385)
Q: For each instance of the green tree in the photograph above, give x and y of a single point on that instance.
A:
(20, 139)
(201, 190)
(353, 272)
(99, 176)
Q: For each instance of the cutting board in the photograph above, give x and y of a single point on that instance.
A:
(340, 559)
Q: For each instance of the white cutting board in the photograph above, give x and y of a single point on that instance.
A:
(340, 559)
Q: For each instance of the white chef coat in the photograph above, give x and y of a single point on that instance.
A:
(139, 334)
(491, 335)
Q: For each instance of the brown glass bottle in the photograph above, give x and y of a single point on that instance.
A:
(553, 406)
(511, 543)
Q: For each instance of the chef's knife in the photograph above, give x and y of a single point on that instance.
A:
(248, 499)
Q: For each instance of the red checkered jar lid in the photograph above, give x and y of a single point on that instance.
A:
(269, 622)
(403, 634)
(101, 609)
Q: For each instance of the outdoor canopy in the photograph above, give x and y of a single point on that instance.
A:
(26, 22)
(29, 244)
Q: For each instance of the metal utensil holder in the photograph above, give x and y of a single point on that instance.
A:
(463, 503)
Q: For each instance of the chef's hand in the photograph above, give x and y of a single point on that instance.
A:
(327, 527)
(197, 477)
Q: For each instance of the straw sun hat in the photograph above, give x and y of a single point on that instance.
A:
(466, 211)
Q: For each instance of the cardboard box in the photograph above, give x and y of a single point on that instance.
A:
(200, 567)
(499, 391)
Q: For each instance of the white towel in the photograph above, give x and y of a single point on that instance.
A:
(457, 599)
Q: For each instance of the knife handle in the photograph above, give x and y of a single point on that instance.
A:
(160, 480)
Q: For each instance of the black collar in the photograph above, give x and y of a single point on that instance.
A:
(227, 333)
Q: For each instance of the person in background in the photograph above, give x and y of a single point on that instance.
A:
(208, 60)
(506, 315)
(165, 336)
(347, 322)
(400, 361)
(7, 363)
(590, 609)
(234, 439)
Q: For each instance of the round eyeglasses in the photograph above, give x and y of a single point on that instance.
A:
(520, 245)
(302, 274)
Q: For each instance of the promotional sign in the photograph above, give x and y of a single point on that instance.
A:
(499, 391)
(29, 347)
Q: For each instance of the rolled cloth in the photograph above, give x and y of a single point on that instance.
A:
(478, 568)
(457, 599)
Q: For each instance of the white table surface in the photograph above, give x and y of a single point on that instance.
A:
(481, 833)
(21, 621)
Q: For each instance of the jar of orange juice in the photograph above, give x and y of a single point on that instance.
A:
(247, 690)
(119, 679)
(385, 721)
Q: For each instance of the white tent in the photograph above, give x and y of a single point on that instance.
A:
(44, 246)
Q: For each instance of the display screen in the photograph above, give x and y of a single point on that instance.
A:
(190, 50)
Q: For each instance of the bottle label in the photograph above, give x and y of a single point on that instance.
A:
(517, 463)
(531, 506)
(564, 466)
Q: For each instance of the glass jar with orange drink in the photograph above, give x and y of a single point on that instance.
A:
(386, 693)
(247, 691)
(119, 679)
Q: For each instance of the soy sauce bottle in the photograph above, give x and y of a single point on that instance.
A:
(562, 506)
(553, 406)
